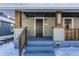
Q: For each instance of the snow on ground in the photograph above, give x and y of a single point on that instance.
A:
(5, 37)
(67, 51)
(8, 50)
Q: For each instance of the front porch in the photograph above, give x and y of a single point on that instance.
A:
(41, 24)
(48, 23)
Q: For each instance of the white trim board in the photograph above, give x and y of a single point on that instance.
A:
(35, 25)
(39, 6)
(68, 18)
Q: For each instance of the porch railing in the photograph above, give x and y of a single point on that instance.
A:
(72, 34)
(21, 37)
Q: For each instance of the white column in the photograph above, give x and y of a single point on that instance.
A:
(59, 17)
(58, 35)
(58, 31)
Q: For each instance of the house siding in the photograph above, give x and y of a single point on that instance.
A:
(76, 22)
(50, 21)
(29, 23)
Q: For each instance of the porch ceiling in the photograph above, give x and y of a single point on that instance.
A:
(39, 14)
(49, 10)
(51, 14)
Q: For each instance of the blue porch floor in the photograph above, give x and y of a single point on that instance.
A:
(39, 47)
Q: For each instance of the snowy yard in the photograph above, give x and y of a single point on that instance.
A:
(68, 48)
(8, 50)
(67, 51)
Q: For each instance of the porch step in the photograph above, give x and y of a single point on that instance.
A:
(40, 54)
(40, 43)
(39, 51)
(39, 38)
(39, 48)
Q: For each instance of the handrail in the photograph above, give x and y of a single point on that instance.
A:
(20, 36)
(72, 34)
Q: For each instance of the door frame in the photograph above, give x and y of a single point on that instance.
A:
(35, 24)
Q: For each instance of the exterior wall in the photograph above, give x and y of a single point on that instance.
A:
(29, 23)
(50, 21)
(76, 22)
(5, 28)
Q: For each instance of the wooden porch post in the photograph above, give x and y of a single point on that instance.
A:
(18, 24)
(18, 18)
(58, 21)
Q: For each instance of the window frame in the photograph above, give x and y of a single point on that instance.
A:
(72, 21)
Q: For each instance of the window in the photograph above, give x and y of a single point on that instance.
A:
(68, 22)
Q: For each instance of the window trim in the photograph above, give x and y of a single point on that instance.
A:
(68, 18)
